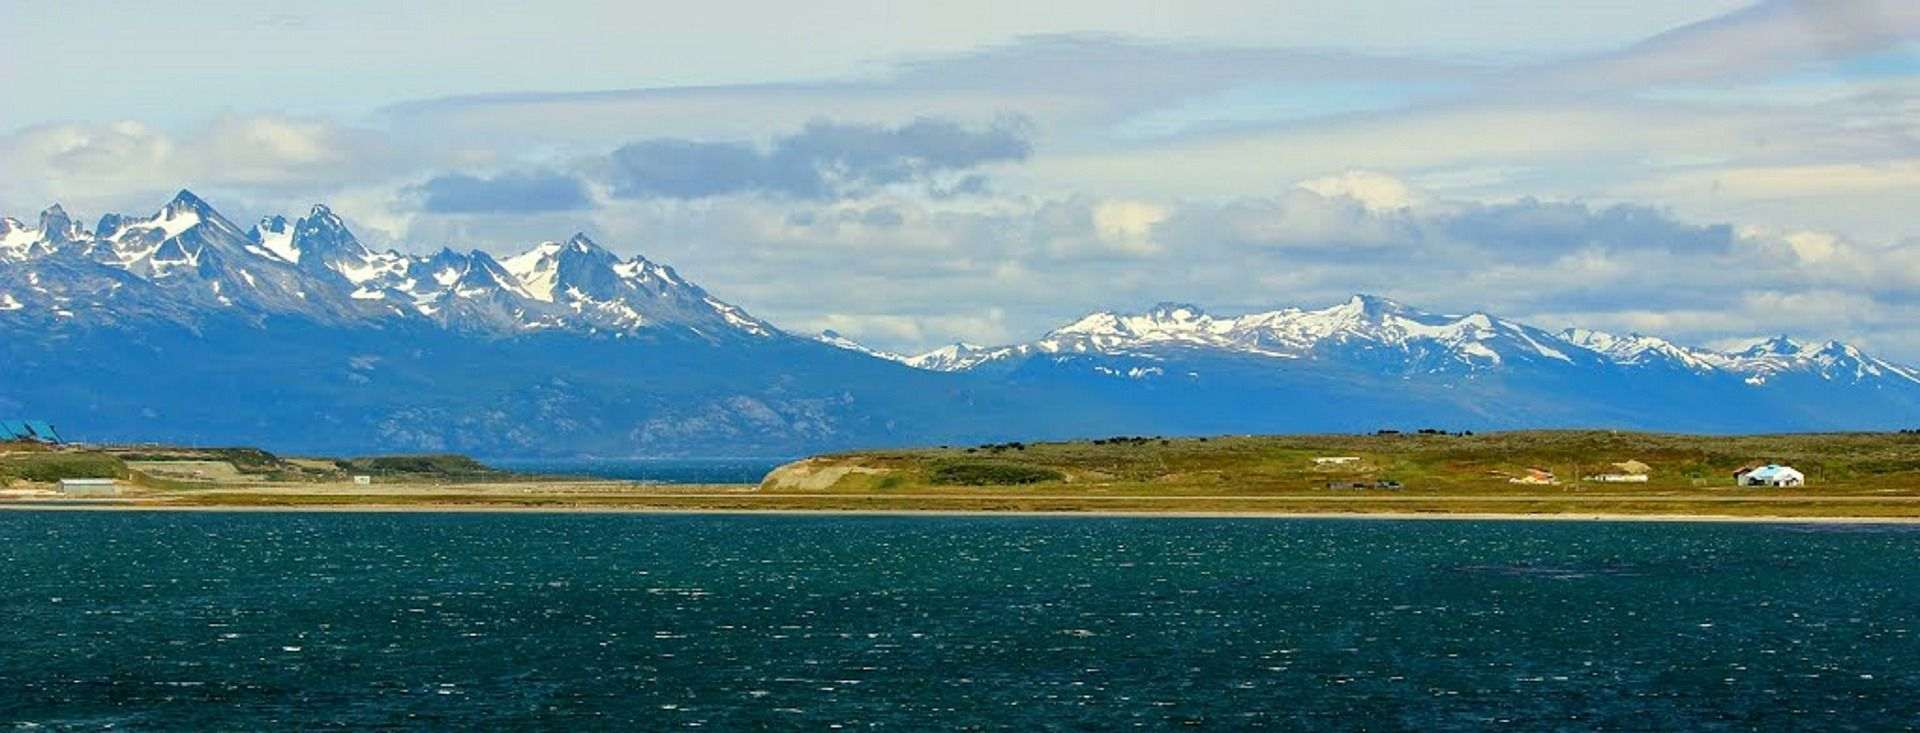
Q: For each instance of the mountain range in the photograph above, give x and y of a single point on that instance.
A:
(290, 333)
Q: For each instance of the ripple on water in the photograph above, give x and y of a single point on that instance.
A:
(212, 621)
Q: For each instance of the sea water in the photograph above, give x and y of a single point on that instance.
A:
(245, 621)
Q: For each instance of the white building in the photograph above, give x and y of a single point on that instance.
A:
(1335, 460)
(1771, 475)
(1619, 478)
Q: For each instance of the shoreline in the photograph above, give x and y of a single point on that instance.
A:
(121, 506)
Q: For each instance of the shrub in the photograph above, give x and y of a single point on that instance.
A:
(989, 473)
(51, 467)
(431, 464)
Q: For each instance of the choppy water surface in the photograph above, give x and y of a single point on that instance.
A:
(244, 621)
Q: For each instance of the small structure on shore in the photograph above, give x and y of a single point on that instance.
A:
(1632, 467)
(362, 480)
(1618, 478)
(1388, 484)
(89, 487)
(1624, 472)
(1772, 474)
(1535, 476)
(1335, 460)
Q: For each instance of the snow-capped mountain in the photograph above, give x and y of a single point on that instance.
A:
(833, 338)
(1363, 327)
(958, 356)
(181, 326)
(186, 261)
(1394, 337)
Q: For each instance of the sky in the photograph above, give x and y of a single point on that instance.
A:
(1714, 172)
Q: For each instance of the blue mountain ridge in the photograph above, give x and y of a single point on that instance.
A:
(182, 326)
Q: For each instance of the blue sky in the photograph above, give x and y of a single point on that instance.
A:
(1711, 171)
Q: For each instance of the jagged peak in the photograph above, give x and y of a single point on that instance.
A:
(1780, 345)
(1175, 310)
(837, 340)
(54, 213)
(108, 224)
(581, 242)
(1370, 306)
(321, 218)
(185, 200)
(1837, 349)
(57, 227)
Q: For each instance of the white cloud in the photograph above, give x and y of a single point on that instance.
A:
(128, 164)
(1377, 191)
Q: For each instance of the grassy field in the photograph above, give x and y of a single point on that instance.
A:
(1854, 474)
(188, 469)
(1474, 465)
(1849, 475)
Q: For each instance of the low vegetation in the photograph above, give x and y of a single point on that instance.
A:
(989, 473)
(49, 466)
(1852, 475)
(171, 468)
(443, 465)
(1425, 462)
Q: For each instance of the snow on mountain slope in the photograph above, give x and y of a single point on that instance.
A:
(1390, 335)
(962, 356)
(833, 338)
(1832, 361)
(1362, 324)
(315, 266)
(185, 261)
(1641, 350)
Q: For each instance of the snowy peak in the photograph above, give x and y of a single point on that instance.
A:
(1380, 334)
(959, 356)
(566, 270)
(1364, 308)
(1427, 341)
(186, 203)
(833, 338)
(1161, 321)
(17, 240)
(1776, 346)
(323, 236)
(274, 236)
(1642, 350)
(484, 276)
(58, 228)
(314, 265)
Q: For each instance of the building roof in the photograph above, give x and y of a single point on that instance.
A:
(37, 430)
(1774, 470)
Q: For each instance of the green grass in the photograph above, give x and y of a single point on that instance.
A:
(49, 466)
(446, 465)
(1453, 465)
(988, 473)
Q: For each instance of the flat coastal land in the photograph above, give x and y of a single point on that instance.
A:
(1565, 475)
